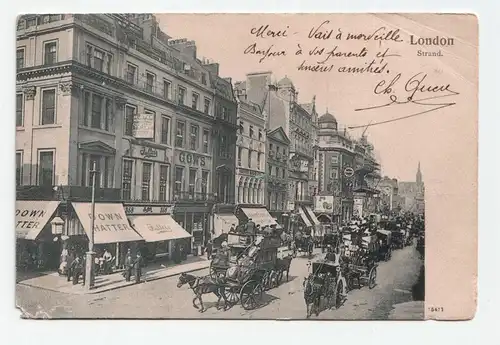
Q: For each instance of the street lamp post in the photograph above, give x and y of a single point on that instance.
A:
(89, 269)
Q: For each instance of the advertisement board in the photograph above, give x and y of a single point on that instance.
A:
(323, 203)
(144, 126)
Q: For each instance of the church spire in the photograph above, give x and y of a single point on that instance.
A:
(419, 175)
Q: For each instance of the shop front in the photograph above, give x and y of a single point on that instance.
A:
(36, 246)
(194, 219)
(111, 231)
(316, 224)
(161, 233)
(152, 250)
(223, 223)
(304, 221)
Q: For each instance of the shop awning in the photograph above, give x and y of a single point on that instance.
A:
(223, 223)
(304, 217)
(32, 216)
(313, 217)
(111, 224)
(260, 216)
(158, 228)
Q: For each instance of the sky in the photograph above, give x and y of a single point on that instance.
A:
(434, 138)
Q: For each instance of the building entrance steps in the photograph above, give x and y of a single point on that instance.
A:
(54, 282)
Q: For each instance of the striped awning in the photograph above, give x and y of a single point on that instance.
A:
(32, 216)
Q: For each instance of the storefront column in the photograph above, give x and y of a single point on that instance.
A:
(117, 258)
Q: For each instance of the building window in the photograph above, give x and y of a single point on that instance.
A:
(182, 95)
(206, 109)
(192, 181)
(258, 160)
(223, 146)
(19, 168)
(271, 147)
(127, 179)
(131, 74)
(165, 130)
(20, 58)
(180, 133)
(260, 134)
(270, 167)
(249, 158)
(96, 116)
(107, 114)
(167, 89)
(283, 173)
(179, 177)
(48, 107)
(98, 59)
(46, 168)
(194, 100)
(206, 135)
(224, 113)
(240, 151)
(193, 139)
(106, 173)
(163, 182)
(204, 79)
(19, 109)
(251, 131)
(129, 119)
(335, 159)
(146, 181)
(150, 82)
(50, 53)
(204, 182)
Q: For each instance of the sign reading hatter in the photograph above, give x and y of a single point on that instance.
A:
(144, 126)
(32, 216)
(110, 223)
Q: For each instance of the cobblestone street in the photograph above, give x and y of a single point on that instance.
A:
(162, 298)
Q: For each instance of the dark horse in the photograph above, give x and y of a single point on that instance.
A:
(202, 286)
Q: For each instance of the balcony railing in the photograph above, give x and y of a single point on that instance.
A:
(74, 193)
(194, 196)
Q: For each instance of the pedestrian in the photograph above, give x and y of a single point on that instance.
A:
(128, 265)
(76, 267)
(107, 257)
(69, 266)
(209, 249)
(250, 227)
(138, 267)
(232, 229)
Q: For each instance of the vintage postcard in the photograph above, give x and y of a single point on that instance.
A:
(247, 166)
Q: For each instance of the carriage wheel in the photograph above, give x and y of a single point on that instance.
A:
(232, 294)
(279, 278)
(213, 272)
(266, 280)
(338, 295)
(372, 277)
(331, 295)
(251, 295)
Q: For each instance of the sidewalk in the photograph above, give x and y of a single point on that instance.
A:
(54, 282)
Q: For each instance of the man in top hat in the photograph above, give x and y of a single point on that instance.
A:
(129, 263)
(138, 262)
(250, 227)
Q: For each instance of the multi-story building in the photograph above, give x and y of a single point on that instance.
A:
(281, 108)
(347, 170)
(114, 94)
(250, 150)
(278, 146)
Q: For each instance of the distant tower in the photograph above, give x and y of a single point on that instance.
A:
(419, 175)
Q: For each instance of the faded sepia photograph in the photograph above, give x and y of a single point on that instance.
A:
(246, 166)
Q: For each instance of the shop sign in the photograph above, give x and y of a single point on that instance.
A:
(143, 126)
(133, 210)
(348, 172)
(192, 159)
(149, 152)
(323, 203)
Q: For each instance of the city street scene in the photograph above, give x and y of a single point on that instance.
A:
(154, 182)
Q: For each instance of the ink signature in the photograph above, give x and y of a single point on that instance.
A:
(414, 87)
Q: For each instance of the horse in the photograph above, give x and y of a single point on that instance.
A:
(201, 286)
(284, 265)
(312, 296)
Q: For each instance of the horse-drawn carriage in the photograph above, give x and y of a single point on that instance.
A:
(323, 283)
(398, 239)
(242, 270)
(360, 269)
(384, 251)
(304, 243)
